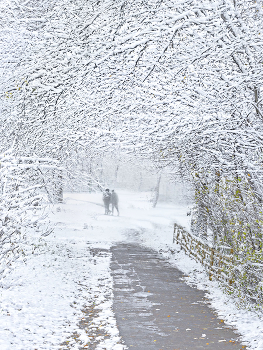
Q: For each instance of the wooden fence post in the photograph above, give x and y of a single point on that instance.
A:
(177, 236)
(175, 228)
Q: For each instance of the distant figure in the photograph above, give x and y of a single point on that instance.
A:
(107, 200)
(114, 202)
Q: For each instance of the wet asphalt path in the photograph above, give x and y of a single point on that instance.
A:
(156, 310)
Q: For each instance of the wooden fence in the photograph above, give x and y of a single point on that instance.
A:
(223, 267)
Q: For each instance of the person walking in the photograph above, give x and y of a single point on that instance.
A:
(107, 200)
(114, 202)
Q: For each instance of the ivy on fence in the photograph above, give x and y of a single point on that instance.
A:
(245, 277)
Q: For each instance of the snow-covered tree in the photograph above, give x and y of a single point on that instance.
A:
(178, 83)
(22, 206)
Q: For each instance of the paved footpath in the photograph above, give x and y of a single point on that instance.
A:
(156, 310)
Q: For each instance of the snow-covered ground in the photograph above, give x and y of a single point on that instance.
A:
(66, 284)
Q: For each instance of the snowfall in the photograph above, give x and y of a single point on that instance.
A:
(44, 298)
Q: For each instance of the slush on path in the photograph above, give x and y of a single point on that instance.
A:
(156, 310)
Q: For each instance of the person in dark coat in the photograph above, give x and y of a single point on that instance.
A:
(107, 200)
(114, 202)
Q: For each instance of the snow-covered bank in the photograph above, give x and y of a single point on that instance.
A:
(69, 281)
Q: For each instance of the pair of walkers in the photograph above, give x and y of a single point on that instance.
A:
(110, 198)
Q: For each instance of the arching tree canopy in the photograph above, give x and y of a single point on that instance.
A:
(177, 82)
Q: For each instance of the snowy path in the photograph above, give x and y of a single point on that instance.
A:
(63, 296)
(156, 310)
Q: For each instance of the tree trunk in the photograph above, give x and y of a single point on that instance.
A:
(58, 186)
(199, 221)
(156, 191)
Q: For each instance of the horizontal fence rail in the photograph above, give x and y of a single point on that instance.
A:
(244, 278)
